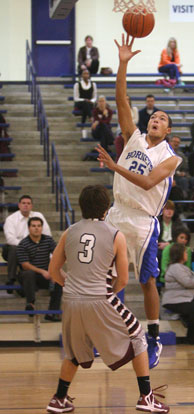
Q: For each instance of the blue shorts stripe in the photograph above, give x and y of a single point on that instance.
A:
(149, 265)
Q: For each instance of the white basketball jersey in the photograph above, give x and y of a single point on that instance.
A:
(140, 159)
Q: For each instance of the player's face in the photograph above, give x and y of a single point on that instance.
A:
(182, 239)
(25, 206)
(158, 125)
(35, 228)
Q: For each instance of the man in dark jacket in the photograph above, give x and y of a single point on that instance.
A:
(33, 254)
(88, 56)
(145, 113)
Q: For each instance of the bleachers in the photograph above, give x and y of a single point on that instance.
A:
(175, 105)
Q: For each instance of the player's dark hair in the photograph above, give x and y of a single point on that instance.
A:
(31, 219)
(176, 252)
(94, 200)
(25, 196)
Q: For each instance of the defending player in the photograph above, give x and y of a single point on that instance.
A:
(141, 187)
(92, 313)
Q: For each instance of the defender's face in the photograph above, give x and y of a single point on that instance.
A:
(158, 125)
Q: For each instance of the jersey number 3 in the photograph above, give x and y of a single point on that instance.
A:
(89, 242)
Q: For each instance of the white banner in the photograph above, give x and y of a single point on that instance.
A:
(181, 10)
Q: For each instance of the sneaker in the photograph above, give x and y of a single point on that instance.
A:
(60, 405)
(150, 404)
(154, 350)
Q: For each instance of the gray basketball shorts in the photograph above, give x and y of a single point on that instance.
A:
(98, 322)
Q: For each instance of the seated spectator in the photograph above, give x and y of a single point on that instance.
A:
(3, 129)
(88, 56)
(85, 95)
(176, 194)
(16, 228)
(101, 128)
(178, 294)
(33, 253)
(191, 152)
(181, 235)
(182, 176)
(4, 146)
(170, 61)
(146, 112)
(169, 221)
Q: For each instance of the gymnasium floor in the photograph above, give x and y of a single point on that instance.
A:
(29, 377)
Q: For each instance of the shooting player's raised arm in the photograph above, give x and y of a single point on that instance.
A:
(124, 112)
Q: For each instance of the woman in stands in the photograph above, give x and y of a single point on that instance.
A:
(178, 295)
(181, 235)
(85, 95)
(170, 61)
(101, 127)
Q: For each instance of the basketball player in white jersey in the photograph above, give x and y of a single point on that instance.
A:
(93, 315)
(142, 182)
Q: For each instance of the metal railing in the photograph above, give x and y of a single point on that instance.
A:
(43, 127)
(58, 187)
(31, 75)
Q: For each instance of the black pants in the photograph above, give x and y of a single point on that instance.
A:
(104, 134)
(32, 281)
(93, 67)
(185, 309)
(12, 263)
(86, 108)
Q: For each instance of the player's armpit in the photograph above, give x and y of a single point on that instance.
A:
(163, 170)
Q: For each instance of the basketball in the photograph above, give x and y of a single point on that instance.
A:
(138, 25)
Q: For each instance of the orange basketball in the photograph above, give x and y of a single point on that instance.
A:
(138, 25)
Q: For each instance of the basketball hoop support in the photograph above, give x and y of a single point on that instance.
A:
(141, 6)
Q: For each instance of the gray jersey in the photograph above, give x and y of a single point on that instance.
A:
(89, 252)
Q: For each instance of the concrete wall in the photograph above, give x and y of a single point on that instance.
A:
(96, 18)
(15, 28)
